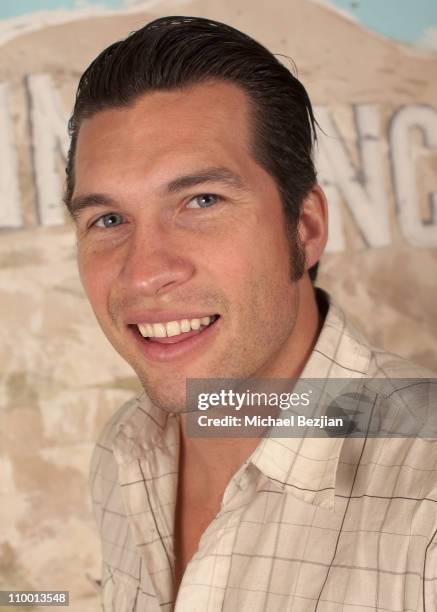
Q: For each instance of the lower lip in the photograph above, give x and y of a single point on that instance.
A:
(157, 351)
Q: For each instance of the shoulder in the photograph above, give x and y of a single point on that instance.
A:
(405, 396)
(396, 394)
(103, 454)
(397, 415)
(384, 364)
(103, 475)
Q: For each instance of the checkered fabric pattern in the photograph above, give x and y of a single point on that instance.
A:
(306, 524)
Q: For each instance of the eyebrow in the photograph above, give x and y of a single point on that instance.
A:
(86, 201)
(207, 175)
(218, 174)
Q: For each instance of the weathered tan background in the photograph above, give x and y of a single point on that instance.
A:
(60, 378)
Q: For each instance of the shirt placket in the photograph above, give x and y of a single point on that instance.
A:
(149, 490)
(203, 586)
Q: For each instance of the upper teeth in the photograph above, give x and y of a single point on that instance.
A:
(172, 328)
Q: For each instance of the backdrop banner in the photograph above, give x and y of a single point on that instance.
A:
(377, 161)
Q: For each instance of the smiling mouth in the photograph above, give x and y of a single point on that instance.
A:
(174, 332)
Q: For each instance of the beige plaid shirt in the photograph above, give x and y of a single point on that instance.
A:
(324, 524)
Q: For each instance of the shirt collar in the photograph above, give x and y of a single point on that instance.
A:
(142, 428)
(307, 467)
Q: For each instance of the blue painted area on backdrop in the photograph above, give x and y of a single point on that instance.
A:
(13, 8)
(405, 20)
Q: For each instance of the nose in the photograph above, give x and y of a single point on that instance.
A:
(155, 263)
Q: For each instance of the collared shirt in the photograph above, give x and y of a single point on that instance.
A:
(305, 524)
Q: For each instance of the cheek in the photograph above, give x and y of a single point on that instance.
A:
(253, 263)
(96, 279)
(267, 258)
(254, 273)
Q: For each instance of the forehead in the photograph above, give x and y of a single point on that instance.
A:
(208, 122)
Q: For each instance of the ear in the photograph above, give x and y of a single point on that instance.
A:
(313, 225)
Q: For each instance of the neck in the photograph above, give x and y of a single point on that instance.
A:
(215, 460)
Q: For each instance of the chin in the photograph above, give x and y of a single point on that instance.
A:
(174, 404)
(168, 397)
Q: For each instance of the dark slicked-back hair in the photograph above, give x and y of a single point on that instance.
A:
(177, 52)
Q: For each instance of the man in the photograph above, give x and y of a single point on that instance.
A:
(200, 224)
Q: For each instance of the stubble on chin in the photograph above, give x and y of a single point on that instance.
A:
(168, 396)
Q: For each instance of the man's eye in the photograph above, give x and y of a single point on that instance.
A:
(203, 201)
(109, 220)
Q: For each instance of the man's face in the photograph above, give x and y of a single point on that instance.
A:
(178, 222)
